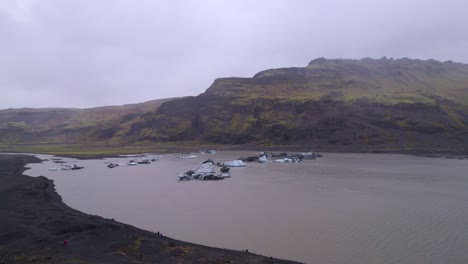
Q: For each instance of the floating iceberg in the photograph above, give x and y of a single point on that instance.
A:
(234, 163)
(288, 160)
(205, 172)
(262, 159)
(188, 157)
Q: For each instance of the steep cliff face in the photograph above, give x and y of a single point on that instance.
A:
(340, 104)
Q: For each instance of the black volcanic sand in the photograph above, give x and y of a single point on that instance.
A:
(34, 221)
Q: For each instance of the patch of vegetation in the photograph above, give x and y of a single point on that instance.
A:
(360, 104)
(132, 249)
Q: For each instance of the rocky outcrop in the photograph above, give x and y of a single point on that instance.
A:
(351, 105)
(367, 105)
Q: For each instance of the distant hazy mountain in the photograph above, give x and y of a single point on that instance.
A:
(354, 105)
(48, 125)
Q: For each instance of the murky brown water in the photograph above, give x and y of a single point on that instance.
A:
(343, 208)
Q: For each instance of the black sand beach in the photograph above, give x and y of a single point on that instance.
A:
(34, 221)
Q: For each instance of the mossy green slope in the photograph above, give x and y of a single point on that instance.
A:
(58, 125)
(351, 105)
(401, 105)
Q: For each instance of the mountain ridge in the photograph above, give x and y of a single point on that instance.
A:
(336, 104)
(69, 124)
(381, 105)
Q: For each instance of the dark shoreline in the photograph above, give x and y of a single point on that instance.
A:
(34, 221)
(460, 156)
(102, 150)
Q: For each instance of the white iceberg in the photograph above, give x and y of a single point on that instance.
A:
(188, 157)
(234, 163)
(206, 171)
(262, 159)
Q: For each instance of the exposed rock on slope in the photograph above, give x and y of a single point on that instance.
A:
(354, 105)
(398, 105)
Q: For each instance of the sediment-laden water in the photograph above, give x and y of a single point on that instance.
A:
(342, 208)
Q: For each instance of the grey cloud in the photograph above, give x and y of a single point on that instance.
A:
(91, 53)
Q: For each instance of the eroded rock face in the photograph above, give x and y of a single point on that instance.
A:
(359, 105)
(350, 105)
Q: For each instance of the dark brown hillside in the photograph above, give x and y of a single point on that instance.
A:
(71, 125)
(388, 105)
(353, 105)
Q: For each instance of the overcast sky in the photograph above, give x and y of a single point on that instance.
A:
(56, 53)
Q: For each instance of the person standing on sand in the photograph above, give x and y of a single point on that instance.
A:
(64, 243)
